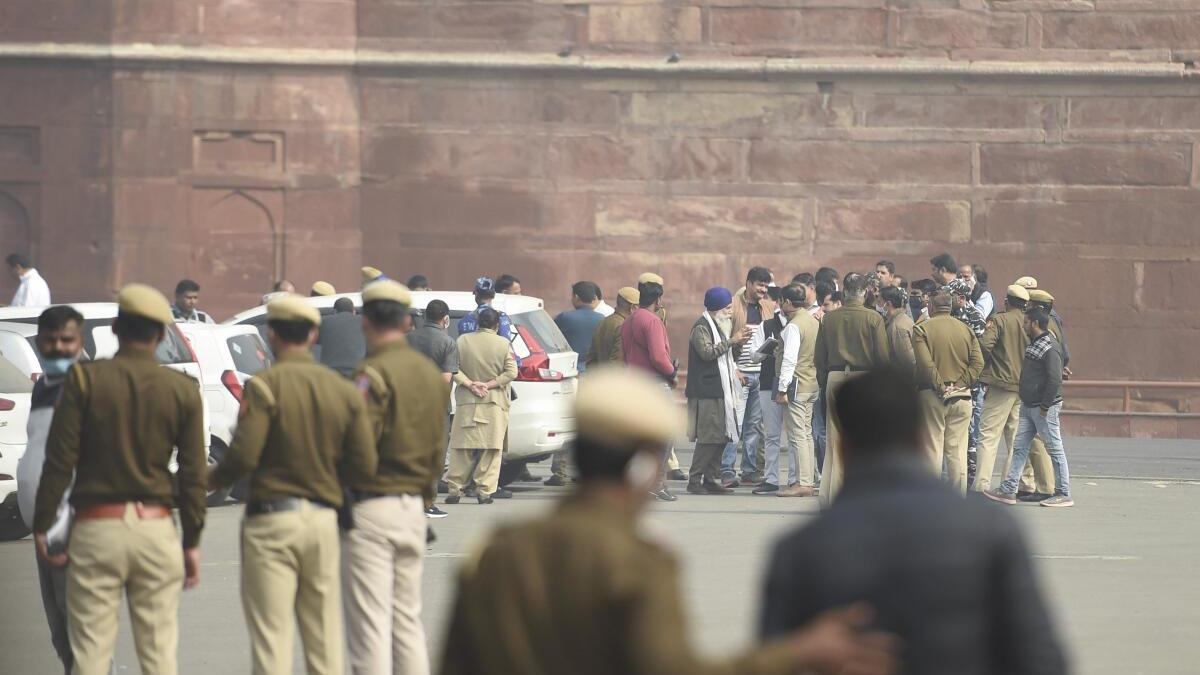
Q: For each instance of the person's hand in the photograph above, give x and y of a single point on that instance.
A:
(744, 335)
(43, 551)
(741, 378)
(191, 568)
(479, 389)
(1044, 412)
(837, 643)
(781, 398)
(1067, 373)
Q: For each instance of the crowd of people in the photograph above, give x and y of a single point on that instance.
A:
(343, 463)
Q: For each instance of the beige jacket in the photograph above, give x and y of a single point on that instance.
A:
(481, 423)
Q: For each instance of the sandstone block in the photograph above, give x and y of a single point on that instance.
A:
(880, 220)
(1135, 112)
(819, 162)
(608, 24)
(732, 220)
(810, 27)
(957, 112)
(586, 158)
(460, 155)
(705, 159)
(1159, 222)
(960, 29)
(1086, 164)
(1121, 30)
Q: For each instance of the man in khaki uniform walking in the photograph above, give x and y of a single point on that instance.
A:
(382, 554)
(852, 339)
(948, 363)
(302, 433)
(606, 339)
(114, 431)
(485, 368)
(584, 591)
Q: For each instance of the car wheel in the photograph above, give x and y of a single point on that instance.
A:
(215, 452)
(12, 526)
(511, 471)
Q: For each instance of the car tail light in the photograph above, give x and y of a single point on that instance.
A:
(536, 366)
(7, 404)
(231, 382)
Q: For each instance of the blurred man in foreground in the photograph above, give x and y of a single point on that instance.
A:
(582, 591)
(951, 578)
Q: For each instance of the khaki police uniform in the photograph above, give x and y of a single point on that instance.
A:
(606, 338)
(851, 339)
(480, 424)
(583, 590)
(302, 432)
(798, 423)
(947, 355)
(382, 555)
(114, 431)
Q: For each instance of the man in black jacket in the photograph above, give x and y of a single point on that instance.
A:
(1040, 390)
(951, 578)
(341, 344)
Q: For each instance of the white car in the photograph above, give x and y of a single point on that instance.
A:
(18, 348)
(15, 389)
(228, 356)
(541, 421)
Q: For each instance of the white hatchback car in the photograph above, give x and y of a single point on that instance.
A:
(18, 348)
(541, 421)
(228, 356)
(15, 390)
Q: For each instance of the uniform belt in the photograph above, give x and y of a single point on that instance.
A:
(117, 510)
(281, 505)
(847, 369)
(362, 495)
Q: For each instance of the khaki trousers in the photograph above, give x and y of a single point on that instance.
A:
(798, 422)
(382, 559)
(672, 459)
(831, 474)
(947, 428)
(1001, 412)
(290, 576)
(486, 472)
(143, 560)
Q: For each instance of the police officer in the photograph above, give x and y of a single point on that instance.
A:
(382, 554)
(583, 591)
(606, 339)
(948, 363)
(852, 338)
(302, 432)
(115, 429)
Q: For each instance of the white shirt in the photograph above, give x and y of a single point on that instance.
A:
(985, 303)
(791, 352)
(604, 309)
(33, 291)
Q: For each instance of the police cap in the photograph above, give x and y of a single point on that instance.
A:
(650, 278)
(1041, 296)
(292, 307)
(144, 301)
(387, 290)
(323, 288)
(619, 408)
(1027, 282)
(1017, 291)
(630, 295)
(370, 274)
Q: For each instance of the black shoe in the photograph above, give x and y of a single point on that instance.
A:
(766, 489)
(696, 489)
(527, 477)
(470, 491)
(1029, 497)
(554, 481)
(443, 487)
(677, 474)
(435, 512)
(717, 489)
(453, 499)
(501, 493)
(664, 495)
(486, 500)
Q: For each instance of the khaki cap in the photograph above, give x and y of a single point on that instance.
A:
(387, 290)
(1040, 296)
(1018, 292)
(630, 295)
(292, 307)
(370, 273)
(323, 288)
(650, 278)
(1027, 282)
(146, 302)
(620, 407)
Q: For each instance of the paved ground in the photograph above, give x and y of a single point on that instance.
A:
(1119, 568)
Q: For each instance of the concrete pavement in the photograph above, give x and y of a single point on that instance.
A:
(1118, 568)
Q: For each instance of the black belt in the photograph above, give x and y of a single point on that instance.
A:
(281, 505)
(844, 368)
(362, 496)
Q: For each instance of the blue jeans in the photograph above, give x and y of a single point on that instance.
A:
(751, 433)
(772, 415)
(818, 428)
(1033, 424)
(977, 393)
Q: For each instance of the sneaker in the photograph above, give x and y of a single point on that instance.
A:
(1033, 497)
(729, 483)
(453, 499)
(1058, 501)
(435, 512)
(554, 481)
(766, 489)
(664, 495)
(1002, 497)
(696, 489)
(797, 491)
(501, 493)
(715, 489)
(677, 474)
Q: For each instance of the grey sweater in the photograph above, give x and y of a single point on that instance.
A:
(1041, 373)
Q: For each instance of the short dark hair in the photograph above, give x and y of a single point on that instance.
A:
(483, 295)
(599, 293)
(894, 297)
(758, 275)
(186, 286)
(925, 286)
(650, 292)
(944, 261)
(886, 264)
(343, 306)
(980, 273)
(584, 290)
(505, 282)
(418, 281)
(16, 259)
(837, 296)
(291, 332)
(436, 310)
(877, 414)
(488, 318)
(57, 317)
(855, 283)
(1019, 303)
(826, 274)
(597, 461)
(1039, 316)
(804, 279)
(824, 290)
(796, 294)
(385, 314)
(137, 328)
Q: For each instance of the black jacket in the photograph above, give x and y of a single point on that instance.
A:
(950, 577)
(1041, 373)
(340, 344)
(704, 376)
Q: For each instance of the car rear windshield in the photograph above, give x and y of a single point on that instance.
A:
(173, 349)
(544, 331)
(12, 380)
(249, 353)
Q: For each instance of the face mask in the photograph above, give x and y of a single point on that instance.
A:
(58, 366)
(916, 305)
